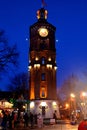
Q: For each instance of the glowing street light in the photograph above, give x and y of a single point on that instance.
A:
(83, 94)
(72, 103)
(72, 95)
(67, 105)
(84, 104)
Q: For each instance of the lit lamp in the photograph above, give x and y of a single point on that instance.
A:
(72, 103)
(32, 105)
(49, 59)
(67, 105)
(54, 104)
(36, 65)
(55, 67)
(36, 58)
(29, 67)
(39, 14)
(43, 106)
(49, 66)
(84, 104)
(83, 95)
(24, 107)
(72, 95)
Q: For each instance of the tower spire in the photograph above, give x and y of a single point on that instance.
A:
(43, 3)
(42, 13)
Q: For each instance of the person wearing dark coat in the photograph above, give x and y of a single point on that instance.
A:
(26, 120)
(31, 119)
(4, 120)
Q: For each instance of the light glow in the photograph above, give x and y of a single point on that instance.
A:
(49, 59)
(49, 66)
(32, 105)
(54, 103)
(55, 67)
(29, 67)
(43, 32)
(36, 58)
(36, 65)
(72, 95)
(43, 104)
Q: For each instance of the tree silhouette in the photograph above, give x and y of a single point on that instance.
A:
(19, 85)
(8, 54)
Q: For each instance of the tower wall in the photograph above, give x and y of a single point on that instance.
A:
(42, 67)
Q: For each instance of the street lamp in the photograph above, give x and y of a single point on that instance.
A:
(72, 103)
(67, 105)
(84, 104)
(72, 95)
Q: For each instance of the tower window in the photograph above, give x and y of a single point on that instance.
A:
(42, 46)
(43, 77)
(43, 61)
(43, 93)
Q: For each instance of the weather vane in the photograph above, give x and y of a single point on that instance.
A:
(43, 3)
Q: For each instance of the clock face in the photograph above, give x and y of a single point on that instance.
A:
(43, 32)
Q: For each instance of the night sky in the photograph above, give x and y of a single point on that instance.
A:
(70, 19)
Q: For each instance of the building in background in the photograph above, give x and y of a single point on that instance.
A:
(42, 67)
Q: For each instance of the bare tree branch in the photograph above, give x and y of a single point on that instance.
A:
(8, 55)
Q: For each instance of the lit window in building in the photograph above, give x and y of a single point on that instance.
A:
(43, 92)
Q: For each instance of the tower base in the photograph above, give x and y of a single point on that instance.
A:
(45, 107)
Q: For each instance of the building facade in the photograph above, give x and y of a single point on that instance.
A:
(42, 67)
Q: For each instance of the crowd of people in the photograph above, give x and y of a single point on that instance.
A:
(17, 119)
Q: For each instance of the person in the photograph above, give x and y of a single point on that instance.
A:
(10, 120)
(83, 125)
(25, 120)
(4, 120)
(31, 119)
(54, 116)
(35, 118)
(39, 121)
(15, 120)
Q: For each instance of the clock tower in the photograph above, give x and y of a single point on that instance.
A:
(42, 67)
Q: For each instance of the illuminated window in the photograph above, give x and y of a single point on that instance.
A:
(43, 93)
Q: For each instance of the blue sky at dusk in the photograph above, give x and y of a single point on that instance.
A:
(70, 19)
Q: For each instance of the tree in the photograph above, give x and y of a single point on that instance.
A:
(8, 54)
(19, 85)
